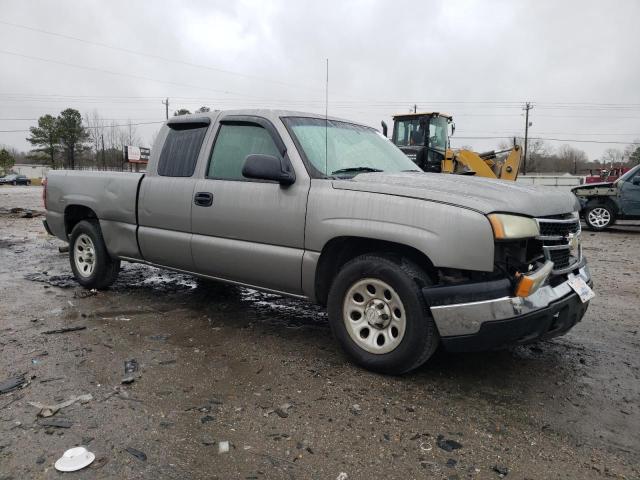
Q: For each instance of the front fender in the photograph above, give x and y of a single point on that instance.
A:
(450, 236)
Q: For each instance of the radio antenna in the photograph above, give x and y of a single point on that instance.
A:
(326, 123)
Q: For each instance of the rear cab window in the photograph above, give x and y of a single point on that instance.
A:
(181, 149)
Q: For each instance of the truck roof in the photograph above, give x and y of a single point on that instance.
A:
(271, 114)
(422, 114)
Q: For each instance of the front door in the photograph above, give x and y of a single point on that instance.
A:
(630, 196)
(252, 232)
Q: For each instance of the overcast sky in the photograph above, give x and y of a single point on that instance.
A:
(576, 61)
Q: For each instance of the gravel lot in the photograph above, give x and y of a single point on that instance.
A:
(220, 363)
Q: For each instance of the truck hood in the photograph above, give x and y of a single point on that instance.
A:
(484, 195)
(587, 186)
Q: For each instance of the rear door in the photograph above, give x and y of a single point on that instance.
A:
(252, 232)
(166, 196)
(630, 195)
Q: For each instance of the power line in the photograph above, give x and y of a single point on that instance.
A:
(548, 139)
(100, 70)
(157, 57)
(96, 127)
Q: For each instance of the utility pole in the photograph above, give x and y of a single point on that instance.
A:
(165, 102)
(415, 108)
(526, 108)
(104, 164)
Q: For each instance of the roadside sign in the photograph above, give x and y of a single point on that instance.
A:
(133, 154)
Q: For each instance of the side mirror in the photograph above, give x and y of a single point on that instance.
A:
(636, 180)
(268, 167)
(453, 128)
(385, 129)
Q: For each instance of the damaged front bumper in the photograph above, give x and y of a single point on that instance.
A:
(503, 319)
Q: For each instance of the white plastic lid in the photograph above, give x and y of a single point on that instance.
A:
(74, 459)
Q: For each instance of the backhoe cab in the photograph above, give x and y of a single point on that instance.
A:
(424, 138)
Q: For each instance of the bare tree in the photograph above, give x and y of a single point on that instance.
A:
(571, 159)
(96, 127)
(612, 157)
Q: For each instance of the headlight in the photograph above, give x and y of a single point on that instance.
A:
(511, 227)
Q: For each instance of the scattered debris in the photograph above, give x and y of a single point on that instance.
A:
(130, 366)
(85, 293)
(14, 399)
(451, 463)
(501, 470)
(136, 453)
(99, 463)
(447, 445)
(129, 379)
(208, 442)
(55, 422)
(283, 410)
(342, 476)
(49, 410)
(13, 383)
(65, 330)
(223, 447)
(207, 418)
(63, 249)
(159, 338)
(74, 459)
(355, 409)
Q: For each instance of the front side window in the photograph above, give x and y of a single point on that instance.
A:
(337, 148)
(180, 151)
(409, 132)
(233, 144)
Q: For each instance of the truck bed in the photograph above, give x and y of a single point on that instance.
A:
(112, 196)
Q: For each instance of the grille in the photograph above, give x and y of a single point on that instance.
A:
(553, 229)
(555, 235)
(560, 258)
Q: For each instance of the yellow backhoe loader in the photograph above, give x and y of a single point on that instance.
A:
(424, 137)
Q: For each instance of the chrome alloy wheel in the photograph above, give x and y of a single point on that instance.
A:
(84, 255)
(374, 316)
(599, 217)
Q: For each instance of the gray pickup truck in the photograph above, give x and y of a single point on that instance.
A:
(331, 211)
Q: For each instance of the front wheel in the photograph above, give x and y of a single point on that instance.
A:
(379, 316)
(91, 264)
(599, 217)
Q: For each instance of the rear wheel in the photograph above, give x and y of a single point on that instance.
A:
(599, 217)
(377, 313)
(91, 264)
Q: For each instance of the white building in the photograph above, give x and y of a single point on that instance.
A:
(31, 171)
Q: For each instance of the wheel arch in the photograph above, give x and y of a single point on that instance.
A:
(603, 201)
(339, 250)
(76, 213)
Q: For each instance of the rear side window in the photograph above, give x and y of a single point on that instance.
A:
(233, 144)
(180, 151)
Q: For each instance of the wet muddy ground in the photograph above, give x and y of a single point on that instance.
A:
(262, 372)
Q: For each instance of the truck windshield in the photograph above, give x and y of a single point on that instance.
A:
(628, 175)
(337, 148)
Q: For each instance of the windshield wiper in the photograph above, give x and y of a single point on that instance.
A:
(356, 170)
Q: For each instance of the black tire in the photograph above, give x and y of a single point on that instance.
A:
(104, 268)
(420, 339)
(595, 216)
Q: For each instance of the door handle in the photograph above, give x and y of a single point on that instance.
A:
(203, 199)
